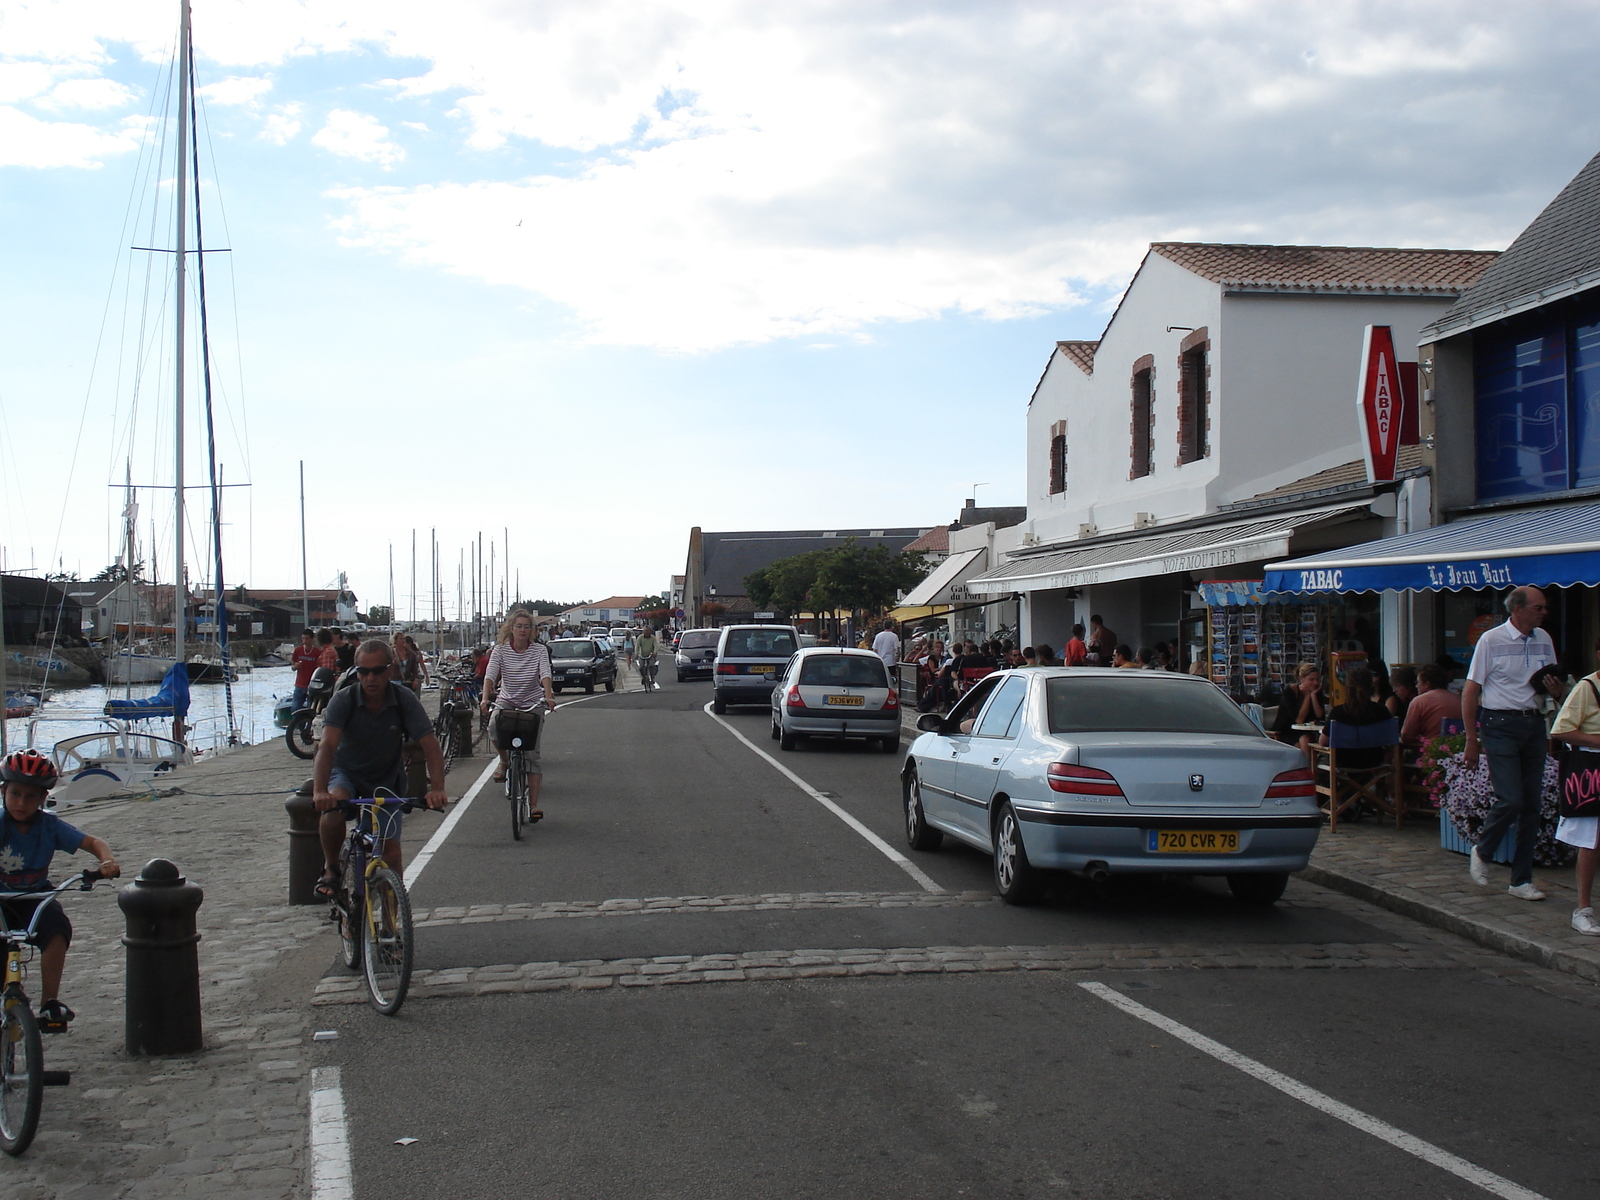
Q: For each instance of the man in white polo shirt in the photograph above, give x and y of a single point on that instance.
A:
(1512, 732)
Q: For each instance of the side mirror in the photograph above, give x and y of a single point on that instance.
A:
(930, 723)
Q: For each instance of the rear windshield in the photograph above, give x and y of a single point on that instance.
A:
(698, 639)
(1143, 704)
(843, 670)
(582, 648)
(758, 643)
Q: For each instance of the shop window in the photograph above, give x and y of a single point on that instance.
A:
(1058, 458)
(1521, 388)
(1586, 403)
(1142, 418)
(1193, 411)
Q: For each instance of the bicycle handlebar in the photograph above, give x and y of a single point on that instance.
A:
(84, 881)
(406, 803)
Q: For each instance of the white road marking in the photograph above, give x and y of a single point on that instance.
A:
(1382, 1130)
(877, 843)
(425, 855)
(331, 1175)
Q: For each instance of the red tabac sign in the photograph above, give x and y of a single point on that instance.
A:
(1380, 404)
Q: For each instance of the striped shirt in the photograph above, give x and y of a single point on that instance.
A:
(518, 677)
(1504, 660)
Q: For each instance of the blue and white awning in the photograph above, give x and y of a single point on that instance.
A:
(1548, 547)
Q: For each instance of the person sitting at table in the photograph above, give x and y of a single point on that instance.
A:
(1435, 703)
(1403, 685)
(1304, 705)
(1359, 708)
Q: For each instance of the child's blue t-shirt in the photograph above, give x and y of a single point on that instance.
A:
(25, 857)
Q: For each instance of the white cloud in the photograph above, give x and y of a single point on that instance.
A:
(26, 141)
(283, 123)
(19, 80)
(88, 94)
(358, 135)
(244, 90)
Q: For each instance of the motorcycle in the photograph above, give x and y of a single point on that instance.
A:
(303, 731)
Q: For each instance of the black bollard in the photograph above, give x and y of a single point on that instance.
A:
(305, 847)
(162, 1006)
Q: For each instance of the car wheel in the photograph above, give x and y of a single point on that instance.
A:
(1258, 889)
(589, 688)
(556, 687)
(919, 835)
(680, 676)
(890, 745)
(611, 685)
(1015, 878)
(776, 731)
(719, 705)
(787, 740)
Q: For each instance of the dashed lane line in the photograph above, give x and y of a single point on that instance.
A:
(876, 842)
(1382, 1130)
(331, 1174)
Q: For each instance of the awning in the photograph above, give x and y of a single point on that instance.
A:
(915, 612)
(1205, 549)
(937, 587)
(1549, 547)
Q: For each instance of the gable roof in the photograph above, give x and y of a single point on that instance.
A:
(1557, 255)
(1347, 270)
(935, 541)
(1081, 353)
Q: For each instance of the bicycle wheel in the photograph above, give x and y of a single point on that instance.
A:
(301, 734)
(349, 935)
(21, 1075)
(444, 730)
(516, 791)
(386, 928)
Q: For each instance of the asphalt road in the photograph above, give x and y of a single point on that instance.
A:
(1013, 1083)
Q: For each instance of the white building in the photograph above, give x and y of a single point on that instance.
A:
(613, 610)
(1210, 428)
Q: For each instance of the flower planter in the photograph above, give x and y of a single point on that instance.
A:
(1451, 840)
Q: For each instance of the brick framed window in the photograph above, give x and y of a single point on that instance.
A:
(1194, 390)
(1142, 418)
(1058, 458)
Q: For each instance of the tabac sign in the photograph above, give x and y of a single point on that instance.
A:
(1380, 403)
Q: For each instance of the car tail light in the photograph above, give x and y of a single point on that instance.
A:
(1297, 783)
(727, 669)
(794, 700)
(892, 701)
(1082, 781)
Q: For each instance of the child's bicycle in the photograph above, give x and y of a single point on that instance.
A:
(22, 1074)
(371, 908)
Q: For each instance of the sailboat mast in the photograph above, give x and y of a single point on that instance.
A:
(180, 286)
(305, 593)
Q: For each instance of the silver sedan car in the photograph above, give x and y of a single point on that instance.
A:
(835, 693)
(1107, 772)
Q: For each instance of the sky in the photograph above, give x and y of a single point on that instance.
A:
(584, 275)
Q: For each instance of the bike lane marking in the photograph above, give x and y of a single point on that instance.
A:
(331, 1175)
(876, 842)
(1306, 1094)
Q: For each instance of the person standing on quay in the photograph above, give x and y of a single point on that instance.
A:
(304, 660)
(1513, 733)
(1076, 652)
(887, 646)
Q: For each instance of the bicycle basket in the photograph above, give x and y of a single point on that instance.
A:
(510, 723)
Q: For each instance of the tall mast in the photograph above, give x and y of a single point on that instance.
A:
(180, 286)
(305, 591)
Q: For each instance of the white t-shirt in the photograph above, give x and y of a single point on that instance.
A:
(1504, 660)
(887, 647)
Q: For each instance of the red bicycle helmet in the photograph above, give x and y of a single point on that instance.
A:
(28, 766)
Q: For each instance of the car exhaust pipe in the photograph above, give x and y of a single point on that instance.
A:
(1097, 872)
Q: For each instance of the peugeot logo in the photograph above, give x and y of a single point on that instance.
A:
(1196, 782)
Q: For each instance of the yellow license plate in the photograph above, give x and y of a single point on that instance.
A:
(760, 670)
(1194, 841)
(852, 701)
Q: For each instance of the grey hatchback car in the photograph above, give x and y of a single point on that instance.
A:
(1109, 772)
(835, 693)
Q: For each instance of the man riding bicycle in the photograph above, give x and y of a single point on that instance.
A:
(518, 676)
(364, 731)
(29, 839)
(646, 648)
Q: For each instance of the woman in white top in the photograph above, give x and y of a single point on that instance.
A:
(518, 676)
(1578, 724)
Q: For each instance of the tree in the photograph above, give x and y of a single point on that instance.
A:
(548, 608)
(789, 585)
(380, 614)
(117, 573)
(868, 580)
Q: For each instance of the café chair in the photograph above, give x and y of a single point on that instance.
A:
(1346, 787)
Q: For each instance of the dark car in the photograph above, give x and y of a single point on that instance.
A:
(584, 662)
(697, 653)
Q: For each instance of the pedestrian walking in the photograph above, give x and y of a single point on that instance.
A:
(1512, 733)
(1578, 724)
(887, 646)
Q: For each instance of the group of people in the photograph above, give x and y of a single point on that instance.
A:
(330, 648)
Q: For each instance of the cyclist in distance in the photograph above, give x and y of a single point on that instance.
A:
(518, 676)
(29, 838)
(364, 731)
(645, 650)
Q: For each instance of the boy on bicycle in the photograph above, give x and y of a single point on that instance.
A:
(29, 839)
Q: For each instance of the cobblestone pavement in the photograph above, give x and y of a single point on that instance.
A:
(1408, 872)
(231, 1120)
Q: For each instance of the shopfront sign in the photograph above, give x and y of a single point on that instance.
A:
(1380, 403)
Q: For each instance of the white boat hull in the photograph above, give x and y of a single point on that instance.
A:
(138, 668)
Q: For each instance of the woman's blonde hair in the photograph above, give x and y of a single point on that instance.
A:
(505, 630)
(1307, 668)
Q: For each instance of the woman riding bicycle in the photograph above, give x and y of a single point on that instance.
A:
(518, 676)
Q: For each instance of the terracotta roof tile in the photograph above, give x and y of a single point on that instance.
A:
(935, 541)
(1081, 353)
(1409, 459)
(1360, 270)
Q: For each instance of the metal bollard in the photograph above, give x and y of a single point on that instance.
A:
(162, 1007)
(305, 847)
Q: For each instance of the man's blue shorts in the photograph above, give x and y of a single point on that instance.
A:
(388, 816)
(52, 920)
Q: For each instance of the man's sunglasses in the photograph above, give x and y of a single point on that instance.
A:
(372, 670)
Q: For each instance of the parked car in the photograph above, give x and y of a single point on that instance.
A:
(697, 653)
(1109, 772)
(582, 662)
(835, 693)
(749, 658)
(616, 633)
(807, 639)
